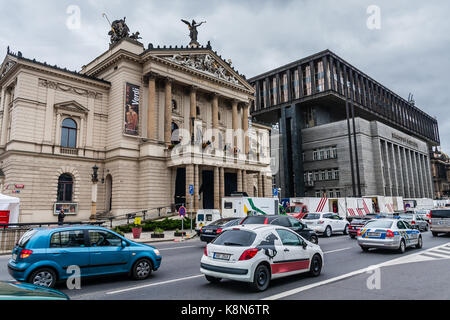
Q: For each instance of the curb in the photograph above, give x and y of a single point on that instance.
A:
(166, 240)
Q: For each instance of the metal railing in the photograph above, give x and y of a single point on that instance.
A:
(10, 234)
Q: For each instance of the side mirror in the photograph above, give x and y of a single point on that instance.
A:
(124, 244)
(304, 245)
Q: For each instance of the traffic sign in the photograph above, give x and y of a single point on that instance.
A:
(191, 189)
(182, 211)
(275, 192)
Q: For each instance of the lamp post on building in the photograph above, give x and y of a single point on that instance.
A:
(94, 193)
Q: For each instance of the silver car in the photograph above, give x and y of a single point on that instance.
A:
(394, 234)
(415, 219)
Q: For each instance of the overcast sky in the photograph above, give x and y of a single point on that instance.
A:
(409, 52)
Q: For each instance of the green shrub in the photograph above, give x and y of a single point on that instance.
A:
(166, 225)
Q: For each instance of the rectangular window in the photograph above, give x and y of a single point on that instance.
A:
(315, 155)
(336, 174)
(67, 239)
(323, 175)
(330, 175)
(316, 176)
(318, 194)
(321, 155)
(334, 151)
(338, 194)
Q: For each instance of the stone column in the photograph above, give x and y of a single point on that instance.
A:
(168, 112)
(5, 121)
(215, 111)
(245, 128)
(90, 120)
(216, 188)
(193, 112)
(152, 120)
(196, 187)
(222, 183)
(239, 181)
(235, 122)
(260, 185)
(244, 181)
(189, 181)
(48, 124)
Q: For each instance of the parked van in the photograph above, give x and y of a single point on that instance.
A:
(440, 221)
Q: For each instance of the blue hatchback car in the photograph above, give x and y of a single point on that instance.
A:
(43, 256)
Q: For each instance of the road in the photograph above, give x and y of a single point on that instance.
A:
(417, 274)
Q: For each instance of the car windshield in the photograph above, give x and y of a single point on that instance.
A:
(26, 237)
(240, 238)
(312, 216)
(294, 209)
(379, 224)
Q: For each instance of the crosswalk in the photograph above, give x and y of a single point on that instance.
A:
(437, 253)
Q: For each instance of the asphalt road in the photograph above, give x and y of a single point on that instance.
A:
(417, 274)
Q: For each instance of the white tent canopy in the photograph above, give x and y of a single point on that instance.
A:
(10, 204)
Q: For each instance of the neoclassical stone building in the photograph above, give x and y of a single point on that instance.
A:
(154, 121)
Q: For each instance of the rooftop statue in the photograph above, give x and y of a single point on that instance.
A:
(193, 31)
(120, 30)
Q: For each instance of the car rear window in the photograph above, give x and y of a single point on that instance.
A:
(255, 220)
(240, 238)
(378, 224)
(358, 221)
(26, 237)
(312, 216)
(220, 223)
(440, 214)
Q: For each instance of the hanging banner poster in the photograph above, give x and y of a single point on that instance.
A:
(132, 97)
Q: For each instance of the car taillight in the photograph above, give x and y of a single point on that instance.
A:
(248, 254)
(25, 253)
(358, 233)
(201, 230)
(266, 221)
(413, 222)
(219, 231)
(321, 222)
(389, 234)
(206, 251)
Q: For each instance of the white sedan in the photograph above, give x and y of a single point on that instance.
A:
(258, 253)
(326, 223)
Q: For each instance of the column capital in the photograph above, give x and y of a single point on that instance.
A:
(193, 88)
(168, 80)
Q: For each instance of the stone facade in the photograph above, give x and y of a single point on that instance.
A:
(145, 171)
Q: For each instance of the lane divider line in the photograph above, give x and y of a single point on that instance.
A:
(337, 250)
(345, 276)
(154, 284)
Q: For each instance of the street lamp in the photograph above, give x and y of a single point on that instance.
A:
(94, 193)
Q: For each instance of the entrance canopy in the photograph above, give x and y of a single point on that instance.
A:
(10, 204)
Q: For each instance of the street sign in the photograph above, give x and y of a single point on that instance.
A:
(191, 189)
(182, 211)
(275, 192)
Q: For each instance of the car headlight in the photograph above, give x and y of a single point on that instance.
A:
(156, 252)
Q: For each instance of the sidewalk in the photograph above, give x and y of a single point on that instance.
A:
(168, 237)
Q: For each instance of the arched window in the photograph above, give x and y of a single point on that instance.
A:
(65, 188)
(69, 134)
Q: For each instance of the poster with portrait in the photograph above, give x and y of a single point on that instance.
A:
(132, 97)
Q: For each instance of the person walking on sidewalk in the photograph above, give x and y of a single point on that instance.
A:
(61, 217)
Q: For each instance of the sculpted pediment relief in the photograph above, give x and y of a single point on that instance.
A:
(7, 65)
(205, 63)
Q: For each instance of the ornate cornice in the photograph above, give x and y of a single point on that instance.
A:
(67, 88)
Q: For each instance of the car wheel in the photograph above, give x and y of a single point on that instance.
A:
(43, 277)
(142, 269)
(435, 234)
(365, 249)
(402, 247)
(328, 232)
(261, 278)
(346, 230)
(314, 239)
(426, 228)
(419, 243)
(316, 266)
(213, 279)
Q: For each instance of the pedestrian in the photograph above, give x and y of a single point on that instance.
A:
(61, 217)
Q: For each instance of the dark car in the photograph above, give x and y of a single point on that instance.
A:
(14, 290)
(357, 224)
(285, 221)
(211, 231)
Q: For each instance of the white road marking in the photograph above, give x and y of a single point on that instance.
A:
(154, 284)
(437, 255)
(349, 275)
(337, 250)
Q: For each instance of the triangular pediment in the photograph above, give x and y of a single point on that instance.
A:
(71, 106)
(7, 65)
(206, 62)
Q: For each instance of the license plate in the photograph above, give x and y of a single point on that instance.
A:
(222, 256)
(208, 231)
(374, 234)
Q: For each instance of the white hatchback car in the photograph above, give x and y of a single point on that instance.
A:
(258, 253)
(326, 223)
